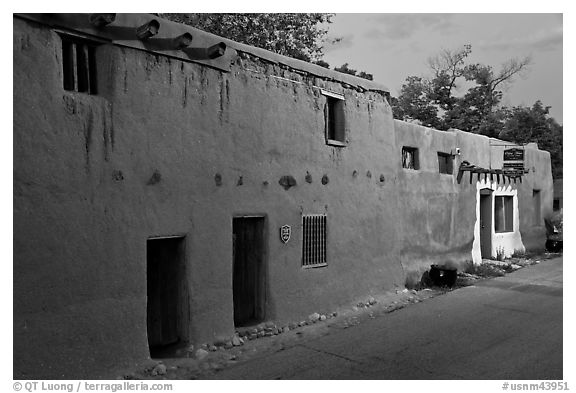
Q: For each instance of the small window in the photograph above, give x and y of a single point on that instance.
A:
(314, 240)
(503, 214)
(410, 158)
(79, 65)
(445, 163)
(556, 204)
(334, 119)
(536, 203)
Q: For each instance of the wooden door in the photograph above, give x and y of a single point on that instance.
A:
(248, 270)
(486, 223)
(165, 290)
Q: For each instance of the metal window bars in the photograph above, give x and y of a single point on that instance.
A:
(314, 240)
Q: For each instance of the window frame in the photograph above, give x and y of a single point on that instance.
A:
(314, 255)
(449, 163)
(415, 155)
(334, 119)
(79, 69)
(506, 219)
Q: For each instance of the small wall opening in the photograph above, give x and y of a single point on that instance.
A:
(167, 302)
(445, 164)
(537, 207)
(410, 158)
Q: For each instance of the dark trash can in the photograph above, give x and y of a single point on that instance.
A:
(553, 245)
(443, 276)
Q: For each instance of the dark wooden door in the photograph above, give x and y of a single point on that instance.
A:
(486, 223)
(248, 270)
(165, 277)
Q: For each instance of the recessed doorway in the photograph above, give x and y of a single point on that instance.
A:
(167, 303)
(248, 270)
(486, 223)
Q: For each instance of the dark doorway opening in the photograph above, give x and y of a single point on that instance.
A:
(486, 223)
(167, 316)
(248, 270)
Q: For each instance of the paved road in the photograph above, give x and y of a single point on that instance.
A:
(505, 328)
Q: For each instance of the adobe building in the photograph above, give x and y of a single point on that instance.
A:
(171, 185)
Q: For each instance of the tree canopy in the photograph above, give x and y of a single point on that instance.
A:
(300, 35)
(524, 124)
(433, 102)
(296, 35)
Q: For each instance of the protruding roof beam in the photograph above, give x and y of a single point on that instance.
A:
(148, 30)
(100, 20)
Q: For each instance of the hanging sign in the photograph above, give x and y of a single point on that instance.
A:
(514, 154)
(285, 231)
(513, 165)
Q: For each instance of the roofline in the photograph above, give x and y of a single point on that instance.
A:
(121, 32)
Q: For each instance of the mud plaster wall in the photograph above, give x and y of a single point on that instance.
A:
(436, 214)
(174, 148)
(439, 217)
(96, 176)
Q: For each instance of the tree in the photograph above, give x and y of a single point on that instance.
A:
(322, 63)
(476, 110)
(413, 103)
(347, 70)
(525, 125)
(295, 35)
(447, 66)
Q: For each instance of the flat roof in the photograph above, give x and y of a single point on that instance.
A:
(122, 32)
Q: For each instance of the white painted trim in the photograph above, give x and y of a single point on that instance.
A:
(509, 242)
(332, 94)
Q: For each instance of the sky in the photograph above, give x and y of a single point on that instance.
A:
(395, 46)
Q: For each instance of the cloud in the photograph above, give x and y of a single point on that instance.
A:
(403, 26)
(543, 40)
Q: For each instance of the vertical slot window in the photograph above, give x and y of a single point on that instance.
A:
(537, 208)
(79, 65)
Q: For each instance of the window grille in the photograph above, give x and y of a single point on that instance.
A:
(314, 240)
(410, 158)
(79, 65)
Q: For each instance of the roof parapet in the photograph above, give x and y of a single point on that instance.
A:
(153, 34)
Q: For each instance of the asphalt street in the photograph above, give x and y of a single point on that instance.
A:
(505, 328)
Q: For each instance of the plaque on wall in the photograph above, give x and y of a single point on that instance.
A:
(514, 154)
(285, 232)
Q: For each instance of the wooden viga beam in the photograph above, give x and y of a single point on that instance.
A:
(473, 169)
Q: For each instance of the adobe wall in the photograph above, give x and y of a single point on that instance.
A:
(96, 176)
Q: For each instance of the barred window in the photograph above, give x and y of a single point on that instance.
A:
(314, 240)
(79, 64)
